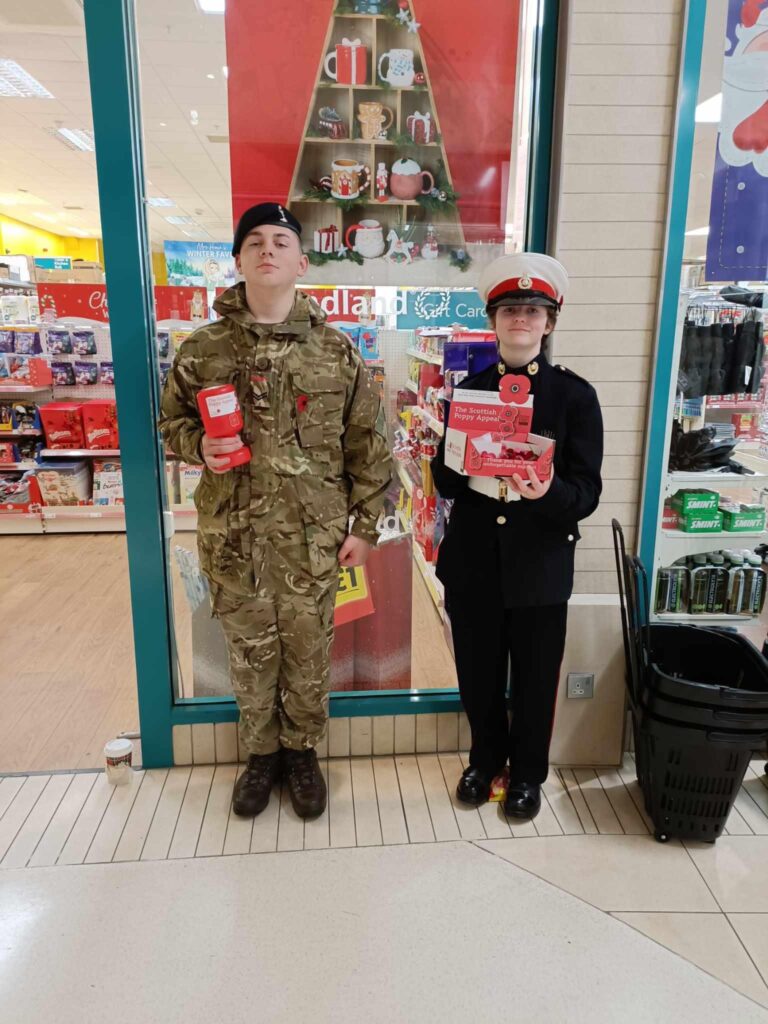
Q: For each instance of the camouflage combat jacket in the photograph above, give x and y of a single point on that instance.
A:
(315, 426)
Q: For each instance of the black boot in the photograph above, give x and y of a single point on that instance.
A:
(523, 800)
(252, 789)
(474, 787)
(305, 782)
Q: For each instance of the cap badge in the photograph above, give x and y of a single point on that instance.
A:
(524, 283)
(283, 218)
(533, 369)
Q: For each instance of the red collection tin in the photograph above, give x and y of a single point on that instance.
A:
(222, 417)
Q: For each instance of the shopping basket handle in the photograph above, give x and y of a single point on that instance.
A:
(754, 739)
(735, 717)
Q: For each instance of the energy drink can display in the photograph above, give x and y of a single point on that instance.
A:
(717, 593)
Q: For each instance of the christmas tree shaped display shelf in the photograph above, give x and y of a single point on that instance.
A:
(371, 183)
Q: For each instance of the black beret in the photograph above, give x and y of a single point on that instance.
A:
(263, 213)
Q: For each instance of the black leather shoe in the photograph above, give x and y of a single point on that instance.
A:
(523, 800)
(252, 789)
(306, 784)
(474, 787)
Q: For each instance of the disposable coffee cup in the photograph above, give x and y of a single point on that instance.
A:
(118, 756)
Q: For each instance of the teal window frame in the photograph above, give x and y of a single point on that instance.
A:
(672, 264)
(115, 97)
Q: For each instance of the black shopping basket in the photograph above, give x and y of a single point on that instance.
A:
(699, 701)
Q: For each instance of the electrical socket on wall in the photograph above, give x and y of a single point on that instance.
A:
(581, 685)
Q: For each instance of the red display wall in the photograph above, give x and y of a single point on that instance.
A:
(274, 52)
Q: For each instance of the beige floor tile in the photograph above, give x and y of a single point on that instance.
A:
(290, 828)
(752, 929)
(736, 870)
(142, 814)
(414, 802)
(49, 847)
(213, 830)
(392, 816)
(341, 803)
(708, 941)
(440, 809)
(31, 832)
(620, 873)
(360, 955)
(367, 822)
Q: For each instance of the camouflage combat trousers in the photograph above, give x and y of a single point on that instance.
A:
(279, 650)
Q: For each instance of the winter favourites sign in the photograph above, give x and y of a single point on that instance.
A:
(206, 264)
(488, 432)
(737, 246)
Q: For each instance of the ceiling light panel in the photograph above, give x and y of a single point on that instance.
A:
(17, 83)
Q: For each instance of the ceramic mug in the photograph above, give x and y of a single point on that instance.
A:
(374, 119)
(346, 63)
(348, 178)
(400, 72)
(369, 239)
(407, 180)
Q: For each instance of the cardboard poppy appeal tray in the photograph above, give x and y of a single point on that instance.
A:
(488, 432)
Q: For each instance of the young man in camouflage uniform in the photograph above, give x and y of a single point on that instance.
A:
(273, 533)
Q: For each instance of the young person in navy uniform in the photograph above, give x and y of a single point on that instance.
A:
(507, 556)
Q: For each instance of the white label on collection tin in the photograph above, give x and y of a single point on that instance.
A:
(222, 405)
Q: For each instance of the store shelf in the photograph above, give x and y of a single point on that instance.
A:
(91, 519)
(84, 519)
(360, 200)
(673, 544)
(6, 434)
(6, 282)
(412, 386)
(405, 479)
(430, 420)
(732, 406)
(16, 466)
(80, 453)
(705, 618)
(20, 522)
(405, 523)
(698, 537)
(676, 480)
(434, 586)
(185, 518)
(23, 389)
(425, 357)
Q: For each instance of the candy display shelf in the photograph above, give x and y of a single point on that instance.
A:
(81, 453)
(425, 357)
(14, 523)
(432, 421)
(83, 519)
(434, 586)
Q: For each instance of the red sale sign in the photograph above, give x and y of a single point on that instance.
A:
(62, 300)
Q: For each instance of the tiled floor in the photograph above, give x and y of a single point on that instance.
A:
(590, 844)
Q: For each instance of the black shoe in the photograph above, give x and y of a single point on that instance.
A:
(306, 784)
(252, 789)
(474, 787)
(523, 800)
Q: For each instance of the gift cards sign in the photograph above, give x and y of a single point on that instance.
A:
(440, 307)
